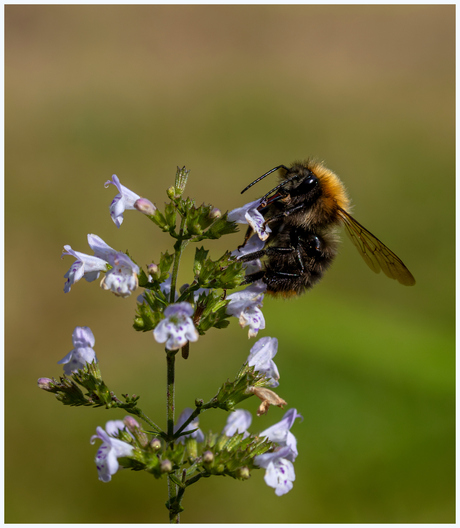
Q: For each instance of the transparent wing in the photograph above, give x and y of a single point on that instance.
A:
(375, 253)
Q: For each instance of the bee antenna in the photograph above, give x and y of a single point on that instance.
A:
(263, 176)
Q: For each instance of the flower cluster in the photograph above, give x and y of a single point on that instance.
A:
(278, 464)
(178, 315)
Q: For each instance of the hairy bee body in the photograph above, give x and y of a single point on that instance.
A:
(302, 212)
(297, 259)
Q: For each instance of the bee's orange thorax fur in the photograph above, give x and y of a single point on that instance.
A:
(334, 193)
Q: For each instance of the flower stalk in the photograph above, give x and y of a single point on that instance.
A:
(177, 316)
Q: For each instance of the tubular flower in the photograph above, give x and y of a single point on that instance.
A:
(279, 466)
(177, 327)
(238, 422)
(279, 471)
(245, 305)
(122, 272)
(280, 433)
(261, 357)
(86, 266)
(249, 214)
(110, 450)
(125, 199)
(83, 353)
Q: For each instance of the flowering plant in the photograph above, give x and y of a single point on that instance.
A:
(177, 317)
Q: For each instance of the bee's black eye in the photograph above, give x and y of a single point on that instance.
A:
(311, 181)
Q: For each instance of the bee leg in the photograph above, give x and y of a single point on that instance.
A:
(247, 236)
(282, 215)
(283, 274)
(252, 256)
(249, 279)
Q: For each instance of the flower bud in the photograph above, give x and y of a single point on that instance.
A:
(145, 206)
(215, 213)
(166, 466)
(131, 423)
(243, 473)
(44, 383)
(208, 458)
(154, 270)
(155, 444)
(135, 429)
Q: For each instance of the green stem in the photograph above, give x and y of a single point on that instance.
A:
(179, 246)
(170, 387)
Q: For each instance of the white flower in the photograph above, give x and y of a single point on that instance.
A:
(184, 416)
(83, 353)
(245, 305)
(110, 450)
(281, 435)
(249, 214)
(238, 422)
(261, 357)
(125, 199)
(177, 327)
(279, 472)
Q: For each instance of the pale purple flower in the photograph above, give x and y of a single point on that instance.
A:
(278, 464)
(110, 450)
(101, 249)
(121, 279)
(279, 470)
(184, 416)
(125, 199)
(248, 214)
(177, 327)
(86, 266)
(238, 422)
(261, 357)
(245, 305)
(83, 353)
(280, 433)
(253, 245)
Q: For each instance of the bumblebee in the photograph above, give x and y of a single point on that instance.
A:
(303, 211)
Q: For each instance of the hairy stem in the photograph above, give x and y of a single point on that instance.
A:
(170, 372)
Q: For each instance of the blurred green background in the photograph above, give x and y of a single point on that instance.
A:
(230, 92)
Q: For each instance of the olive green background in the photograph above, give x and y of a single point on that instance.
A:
(230, 92)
